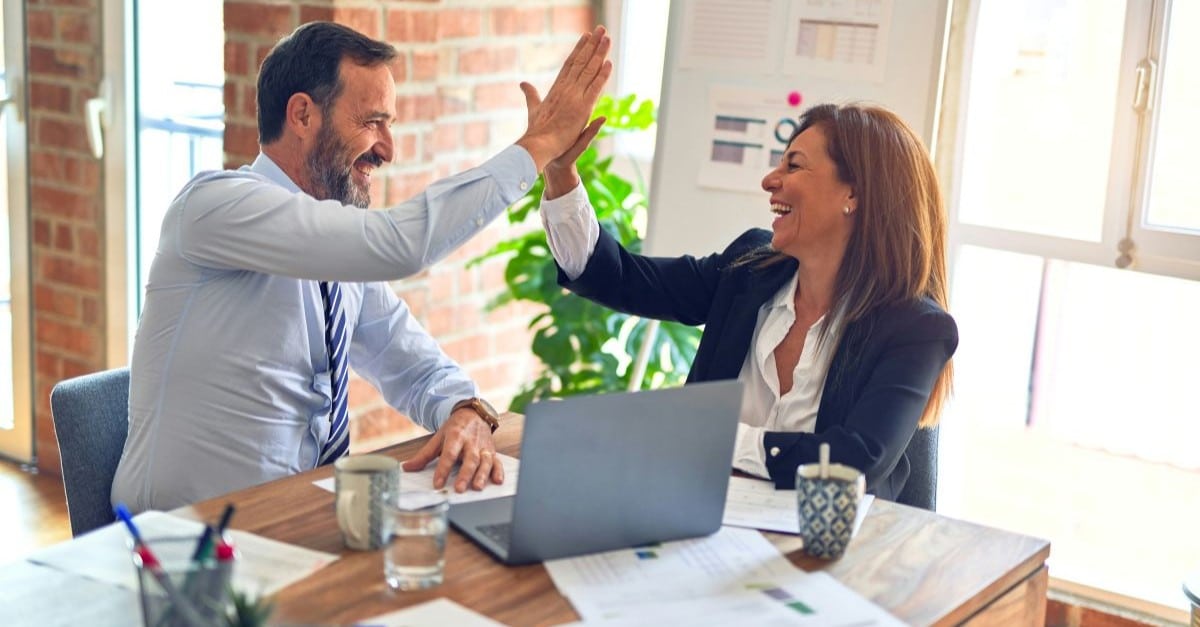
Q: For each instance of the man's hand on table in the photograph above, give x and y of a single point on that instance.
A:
(464, 439)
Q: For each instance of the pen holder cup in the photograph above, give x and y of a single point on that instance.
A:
(827, 507)
(179, 591)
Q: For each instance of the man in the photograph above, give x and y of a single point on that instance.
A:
(267, 281)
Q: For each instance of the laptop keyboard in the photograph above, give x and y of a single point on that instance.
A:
(500, 533)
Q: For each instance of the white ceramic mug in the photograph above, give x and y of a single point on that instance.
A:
(363, 484)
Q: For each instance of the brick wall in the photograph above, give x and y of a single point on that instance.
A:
(66, 220)
(458, 103)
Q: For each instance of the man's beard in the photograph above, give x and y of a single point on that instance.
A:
(331, 180)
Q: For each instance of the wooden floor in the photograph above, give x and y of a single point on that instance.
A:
(35, 511)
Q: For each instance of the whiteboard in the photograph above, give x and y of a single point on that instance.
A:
(733, 72)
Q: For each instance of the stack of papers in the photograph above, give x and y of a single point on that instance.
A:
(756, 504)
(734, 576)
(435, 613)
(264, 566)
(423, 480)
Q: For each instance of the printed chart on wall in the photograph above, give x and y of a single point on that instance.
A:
(844, 39)
(748, 131)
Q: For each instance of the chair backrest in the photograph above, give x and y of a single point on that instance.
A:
(921, 488)
(91, 420)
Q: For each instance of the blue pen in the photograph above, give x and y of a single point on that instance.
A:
(151, 563)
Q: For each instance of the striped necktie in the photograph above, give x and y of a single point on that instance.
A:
(335, 344)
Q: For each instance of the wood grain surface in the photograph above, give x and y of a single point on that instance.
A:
(923, 568)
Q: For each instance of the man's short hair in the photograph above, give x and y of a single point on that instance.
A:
(307, 61)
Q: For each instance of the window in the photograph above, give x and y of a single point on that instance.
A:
(1076, 249)
(16, 414)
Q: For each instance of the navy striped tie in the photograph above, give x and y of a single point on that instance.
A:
(339, 375)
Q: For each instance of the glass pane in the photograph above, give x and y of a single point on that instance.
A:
(643, 44)
(6, 355)
(1174, 195)
(180, 109)
(1040, 108)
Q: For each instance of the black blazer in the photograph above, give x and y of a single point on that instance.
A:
(879, 379)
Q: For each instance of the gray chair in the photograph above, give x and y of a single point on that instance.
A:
(921, 488)
(91, 419)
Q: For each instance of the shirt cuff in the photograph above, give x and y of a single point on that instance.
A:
(571, 230)
(748, 455)
(514, 170)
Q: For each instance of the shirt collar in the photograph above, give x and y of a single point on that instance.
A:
(264, 166)
(784, 296)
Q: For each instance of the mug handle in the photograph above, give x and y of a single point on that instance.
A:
(351, 524)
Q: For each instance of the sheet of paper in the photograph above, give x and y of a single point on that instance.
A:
(605, 585)
(842, 39)
(718, 34)
(747, 134)
(423, 480)
(75, 600)
(756, 504)
(796, 599)
(435, 613)
(264, 566)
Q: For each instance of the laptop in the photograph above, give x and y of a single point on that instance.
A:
(613, 471)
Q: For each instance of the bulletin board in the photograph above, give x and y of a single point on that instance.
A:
(737, 73)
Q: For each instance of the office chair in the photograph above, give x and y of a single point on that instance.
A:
(91, 419)
(921, 488)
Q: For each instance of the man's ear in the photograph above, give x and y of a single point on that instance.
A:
(303, 115)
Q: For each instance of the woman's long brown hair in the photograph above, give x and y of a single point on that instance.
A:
(897, 250)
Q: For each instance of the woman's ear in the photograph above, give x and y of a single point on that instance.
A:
(303, 117)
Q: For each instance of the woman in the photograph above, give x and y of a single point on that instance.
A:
(835, 319)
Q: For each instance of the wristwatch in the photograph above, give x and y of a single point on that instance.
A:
(481, 407)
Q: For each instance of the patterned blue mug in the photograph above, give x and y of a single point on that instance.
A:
(827, 507)
(362, 484)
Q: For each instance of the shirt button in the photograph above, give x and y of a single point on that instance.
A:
(774, 451)
(524, 186)
(478, 221)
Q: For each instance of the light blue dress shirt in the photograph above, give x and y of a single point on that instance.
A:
(230, 382)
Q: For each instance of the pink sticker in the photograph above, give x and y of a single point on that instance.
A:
(794, 99)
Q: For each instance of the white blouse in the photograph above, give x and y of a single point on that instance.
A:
(572, 232)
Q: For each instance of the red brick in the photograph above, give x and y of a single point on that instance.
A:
(57, 62)
(454, 99)
(416, 108)
(72, 368)
(89, 241)
(445, 137)
(424, 65)
(65, 204)
(237, 58)
(406, 147)
(39, 25)
(468, 350)
(241, 142)
(77, 28)
(49, 97)
(63, 240)
(48, 299)
(256, 18)
(46, 166)
(250, 104)
(69, 271)
(55, 133)
(476, 134)
(48, 365)
(488, 60)
(459, 23)
(402, 186)
(443, 285)
(399, 68)
(91, 311)
(312, 13)
(41, 232)
(571, 19)
(494, 96)
(68, 337)
(518, 21)
(410, 26)
(365, 21)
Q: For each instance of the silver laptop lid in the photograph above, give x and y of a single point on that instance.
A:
(622, 469)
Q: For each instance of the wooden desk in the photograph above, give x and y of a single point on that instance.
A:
(921, 567)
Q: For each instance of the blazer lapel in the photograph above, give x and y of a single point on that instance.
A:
(736, 330)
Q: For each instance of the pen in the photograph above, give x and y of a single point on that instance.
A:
(225, 516)
(151, 563)
(203, 545)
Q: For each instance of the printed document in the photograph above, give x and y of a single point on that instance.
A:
(423, 480)
(756, 504)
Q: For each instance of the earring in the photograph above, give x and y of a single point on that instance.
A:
(846, 210)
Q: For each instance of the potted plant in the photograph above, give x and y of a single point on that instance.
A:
(586, 348)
